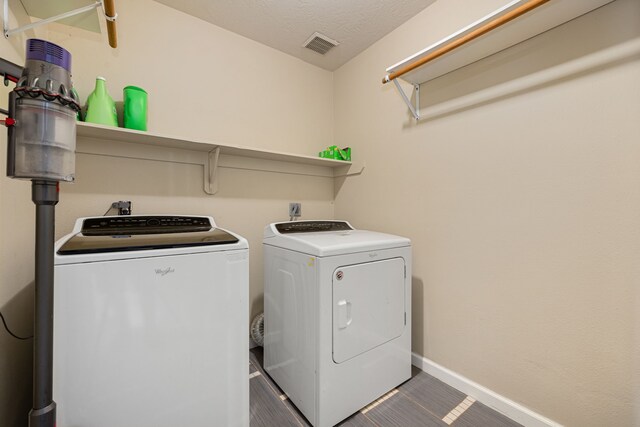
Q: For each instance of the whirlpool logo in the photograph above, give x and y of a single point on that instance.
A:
(164, 271)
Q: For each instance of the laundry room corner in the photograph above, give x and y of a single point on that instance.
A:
(481, 270)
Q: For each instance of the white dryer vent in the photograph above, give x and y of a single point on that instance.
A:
(320, 43)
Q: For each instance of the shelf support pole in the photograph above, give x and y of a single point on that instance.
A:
(415, 110)
(211, 171)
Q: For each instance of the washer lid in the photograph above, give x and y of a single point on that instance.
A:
(328, 243)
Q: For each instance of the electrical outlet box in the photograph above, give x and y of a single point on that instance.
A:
(124, 207)
(295, 210)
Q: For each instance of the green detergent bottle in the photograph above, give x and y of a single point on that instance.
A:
(100, 106)
(135, 108)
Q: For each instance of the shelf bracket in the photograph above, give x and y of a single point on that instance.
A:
(8, 31)
(356, 168)
(108, 10)
(211, 171)
(415, 110)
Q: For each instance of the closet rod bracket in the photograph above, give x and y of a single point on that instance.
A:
(415, 109)
(211, 171)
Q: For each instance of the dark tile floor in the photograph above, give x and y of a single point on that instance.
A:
(421, 401)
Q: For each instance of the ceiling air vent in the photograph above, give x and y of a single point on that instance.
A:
(320, 43)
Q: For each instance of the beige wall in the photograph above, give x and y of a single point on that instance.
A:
(203, 82)
(520, 191)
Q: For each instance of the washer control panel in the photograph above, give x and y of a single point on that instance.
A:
(312, 226)
(155, 224)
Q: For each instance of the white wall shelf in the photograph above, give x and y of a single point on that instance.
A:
(119, 142)
(536, 21)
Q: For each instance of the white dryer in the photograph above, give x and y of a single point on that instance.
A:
(151, 321)
(337, 304)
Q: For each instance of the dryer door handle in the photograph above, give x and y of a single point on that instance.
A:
(344, 314)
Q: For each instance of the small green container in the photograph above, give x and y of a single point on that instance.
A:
(135, 108)
(345, 154)
(336, 153)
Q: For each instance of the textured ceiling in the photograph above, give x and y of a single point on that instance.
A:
(286, 24)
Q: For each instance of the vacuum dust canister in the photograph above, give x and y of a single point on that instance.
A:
(42, 140)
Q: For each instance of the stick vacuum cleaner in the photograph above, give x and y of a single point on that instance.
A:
(41, 148)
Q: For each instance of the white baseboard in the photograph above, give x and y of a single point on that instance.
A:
(511, 409)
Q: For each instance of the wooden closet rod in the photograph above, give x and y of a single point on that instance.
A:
(521, 10)
(111, 15)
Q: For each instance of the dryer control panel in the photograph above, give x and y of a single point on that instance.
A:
(312, 226)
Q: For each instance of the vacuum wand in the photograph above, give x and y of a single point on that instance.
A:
(45, 196)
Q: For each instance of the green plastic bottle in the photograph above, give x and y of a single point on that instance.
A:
(135, 108)
(100, 106)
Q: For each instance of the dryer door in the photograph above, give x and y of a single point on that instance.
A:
(368, 306)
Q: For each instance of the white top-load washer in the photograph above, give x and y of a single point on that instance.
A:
(150, 323)
(337, 304)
